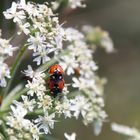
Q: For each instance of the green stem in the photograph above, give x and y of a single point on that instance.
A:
(35, 113)
(14, 68)
(9, 99)
(73, 93)
(3, 112)
(47, 65)
(6, 137)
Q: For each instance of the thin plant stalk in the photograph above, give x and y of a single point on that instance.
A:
(14, 68)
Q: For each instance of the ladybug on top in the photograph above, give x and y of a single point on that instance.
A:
(56, 81)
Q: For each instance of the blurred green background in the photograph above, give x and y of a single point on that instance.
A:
(122, 69)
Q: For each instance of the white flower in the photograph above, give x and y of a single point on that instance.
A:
(97, 124)
(79, 48)
(80, 105)
(27, 104)
(87, 68)
(35, 75)
(65, 91)
(64, 107)
(22, 4)
(45, 10)
(55, 5)
(29, 72)
(46, 122)
(107, 43)
(42, 55)
(125, 130)
(38, 11)
(70, 137)
(16, 119)
(35, 87)
(90, 116)
(34, 131)
(6, 49)
(45, 102)
(76, 3)
(96, 33)
(14, 13)
(68, 63)
(24, 28)
(73, 34)
(41, 26)
(36, 42)
(83, 83)
(60, 33)
(32, 10)
(4, 73)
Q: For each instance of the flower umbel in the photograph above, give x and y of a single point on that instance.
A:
(33, 107)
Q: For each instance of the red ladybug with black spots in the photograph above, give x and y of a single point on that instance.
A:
(56, 81)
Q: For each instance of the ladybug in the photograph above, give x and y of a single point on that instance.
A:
(56, 81)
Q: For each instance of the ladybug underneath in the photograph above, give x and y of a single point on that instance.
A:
(56, 81)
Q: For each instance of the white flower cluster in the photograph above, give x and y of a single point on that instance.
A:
(99, 37)
(41, 123)
(36, 112)
(17, 119)
(76, 3)
(131, 133)
(6, 50)
(80, 60)
(42, 26)
(90, 107)
(73, 4)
